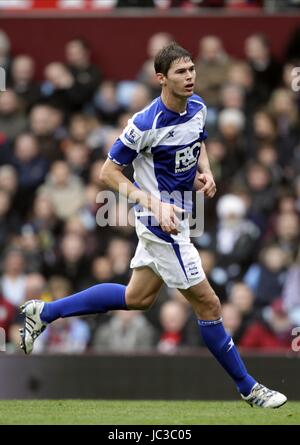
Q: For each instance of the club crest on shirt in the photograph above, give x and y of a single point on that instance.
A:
(132, 136)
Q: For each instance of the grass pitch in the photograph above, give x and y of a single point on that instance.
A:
(105, 412)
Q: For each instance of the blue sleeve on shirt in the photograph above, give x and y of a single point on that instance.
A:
(121, 154)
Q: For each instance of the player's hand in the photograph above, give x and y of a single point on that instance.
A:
(207, 184)
(167, 218)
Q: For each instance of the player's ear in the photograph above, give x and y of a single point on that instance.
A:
(161, 78)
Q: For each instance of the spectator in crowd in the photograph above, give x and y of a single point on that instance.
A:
(236, 237)
(243, 298)
(71, 262)
(31, 168)
(146, 74)
(94, 173)
(75, 225)
(58, 286)
(264, 129)
(45, 222)
(86, 75)
(216, 276)
(119, 253)
(232, 320)
(9, 223)
(212, 66)
(60, 89)
(223, 163)
(126, 331)
(106, 103)
(65, 190)
(140, 98)
(67, 336)
(259, 183)
(46, 124)
(13, 278)
(266, 278)
(8, 179)
(287, 233)
(109, 138)
(287, 202)
(267, 155)
(29, 241)
(297, 192)
(12, 120)
(272, 332)
(78, 129)
(102, 270)
(190, 333)
(290, 292)
(88, 212)
(35, 285)
(7, 316)
(240, 74)
(232, 96)
(22, 81)
(77, 156)
(231, 125)
(283, 110)
(265, 67)
(173, 317)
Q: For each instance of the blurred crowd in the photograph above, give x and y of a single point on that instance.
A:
(182, 6)
(54, 138)
(185, 4)
(194, 5)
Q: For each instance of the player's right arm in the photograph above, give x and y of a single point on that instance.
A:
(122, 153)
(112, 176)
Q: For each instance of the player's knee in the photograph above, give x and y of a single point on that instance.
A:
(145, 304)
(208, 305)
(139, 302)
(214, 306)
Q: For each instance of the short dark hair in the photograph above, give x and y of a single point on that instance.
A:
(166, 56)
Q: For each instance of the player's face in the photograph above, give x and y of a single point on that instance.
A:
(180, 79)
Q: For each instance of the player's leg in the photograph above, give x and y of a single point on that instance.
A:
(106, 297)
(204, 301)
(100, 298)
(207, 307)
(142, 288)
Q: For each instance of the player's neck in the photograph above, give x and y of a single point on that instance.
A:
(174, 103)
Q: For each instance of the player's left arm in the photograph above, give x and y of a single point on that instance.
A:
(204, 180)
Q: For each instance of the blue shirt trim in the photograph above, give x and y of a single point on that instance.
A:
(121, 154)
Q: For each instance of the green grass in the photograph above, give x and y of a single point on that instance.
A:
(104, 412)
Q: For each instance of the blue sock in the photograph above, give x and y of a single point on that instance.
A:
(222, 347)
(97, 299)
